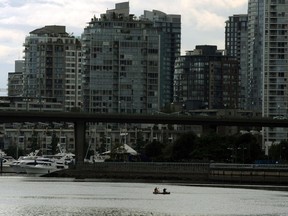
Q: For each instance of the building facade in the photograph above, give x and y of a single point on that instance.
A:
(15, 80)
(128, 62)
(53, 67)
(275, 65)
(120, 63)
(236, 45)
(267, 63)
(255, 54)
(206, 79)
(170, 48)
(28, 135)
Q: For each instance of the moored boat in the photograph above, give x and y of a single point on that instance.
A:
(161, 193)
(30, 159)
(43, 167)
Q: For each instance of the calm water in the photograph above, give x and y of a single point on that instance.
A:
(21, 196)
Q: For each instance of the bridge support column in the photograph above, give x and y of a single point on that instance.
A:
(79, 131)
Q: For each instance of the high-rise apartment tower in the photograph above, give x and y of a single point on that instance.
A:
(206, 79)
(236, 45)
(52, 67)
(169, 26)
(123, 61)
(268, 62)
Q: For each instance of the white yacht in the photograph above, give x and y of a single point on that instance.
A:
(50, 163)
(18, 165)
(33, 163)
(45, 166)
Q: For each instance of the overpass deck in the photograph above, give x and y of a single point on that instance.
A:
(80, 119)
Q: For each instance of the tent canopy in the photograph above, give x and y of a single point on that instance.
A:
(123, 149)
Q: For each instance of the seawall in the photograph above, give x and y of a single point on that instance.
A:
(188, 172)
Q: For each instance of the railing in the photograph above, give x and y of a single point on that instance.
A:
(151, 167)
(192, 172)
(247, 166)
(147, 170)
(249, 173)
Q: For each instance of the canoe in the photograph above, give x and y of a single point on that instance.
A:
(164, 193)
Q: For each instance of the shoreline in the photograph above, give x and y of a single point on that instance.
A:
(187, 183)
(181, 183)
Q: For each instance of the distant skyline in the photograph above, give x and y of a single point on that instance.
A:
(203, 21)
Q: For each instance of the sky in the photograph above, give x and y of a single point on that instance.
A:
(203, 21)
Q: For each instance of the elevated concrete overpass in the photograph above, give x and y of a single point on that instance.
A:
(80, 119)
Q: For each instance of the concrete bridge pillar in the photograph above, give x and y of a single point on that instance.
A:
(79, 131)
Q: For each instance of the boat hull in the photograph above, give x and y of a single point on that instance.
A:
(7, 169)
(40, 170)
(164, 193)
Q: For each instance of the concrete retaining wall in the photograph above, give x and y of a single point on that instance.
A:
(174, 171)
(192, 172)
(259, 174)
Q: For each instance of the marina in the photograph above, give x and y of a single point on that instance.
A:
(36, 164)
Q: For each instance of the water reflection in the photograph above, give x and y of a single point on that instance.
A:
(44, 211)
(43, 197)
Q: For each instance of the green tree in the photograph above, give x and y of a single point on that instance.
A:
(12, 151)
(274, 152)
(283, 150)
(153, 150)
(167, 152)
(54, 143)
(248, 148)
(184, 146)
(34, 142)
(140, 143)
(279, 152)
(213, 147)
(103, 142)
